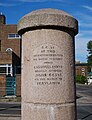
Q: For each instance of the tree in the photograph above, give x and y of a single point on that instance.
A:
(81, 79)
(89, 57)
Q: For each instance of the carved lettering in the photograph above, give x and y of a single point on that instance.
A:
(48, 65)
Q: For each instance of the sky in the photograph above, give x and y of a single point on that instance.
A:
(79, 9)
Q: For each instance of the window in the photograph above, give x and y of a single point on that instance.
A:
(13, 36)
(2, 70)
(6, 69)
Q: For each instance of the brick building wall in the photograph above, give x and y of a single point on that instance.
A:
(81, 69)
(2, 85)
(9, 42)
(10, 55)
(5, 58)
(18, 85)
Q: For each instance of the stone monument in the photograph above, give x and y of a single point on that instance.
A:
(48, 78)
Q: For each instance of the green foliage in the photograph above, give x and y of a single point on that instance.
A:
(81, 79)
(90, 60)
(89, 57)
(89, 47)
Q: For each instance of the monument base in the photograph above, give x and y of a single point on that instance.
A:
(48, 111)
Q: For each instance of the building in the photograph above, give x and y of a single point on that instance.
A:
(10, 59)
(81, 69)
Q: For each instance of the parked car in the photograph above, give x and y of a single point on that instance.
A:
(89, 78)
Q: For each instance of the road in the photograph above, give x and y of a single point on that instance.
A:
(84, 104)
(10, 109)
(86, 90)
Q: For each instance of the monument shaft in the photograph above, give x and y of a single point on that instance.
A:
(48, 86)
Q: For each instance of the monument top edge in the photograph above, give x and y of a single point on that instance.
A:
(47, 17)
(48, 11)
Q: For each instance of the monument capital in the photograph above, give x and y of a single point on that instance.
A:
(56, 19)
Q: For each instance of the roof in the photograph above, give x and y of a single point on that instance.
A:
(81, 64)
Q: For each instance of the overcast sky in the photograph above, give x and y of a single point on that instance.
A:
(79, 9)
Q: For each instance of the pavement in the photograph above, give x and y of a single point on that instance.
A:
(10, 118)
(10, 110)
(84, 102)
(84, 108)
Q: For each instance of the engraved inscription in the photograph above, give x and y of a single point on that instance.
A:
(47, 65)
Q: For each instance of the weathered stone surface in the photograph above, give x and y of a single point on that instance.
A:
(49, 112)
(42, 91)
(47, 17)
(48, 87)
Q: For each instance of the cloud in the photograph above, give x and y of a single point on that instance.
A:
(9, 3)
(87, 7)
(82, 16)
(6, 4)
(85, 30)
(16, 2)
(39, 0)
(85, 33)
(84, 36)
(85, 23)
(89, 25)
(32, 0)
(81, 48)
